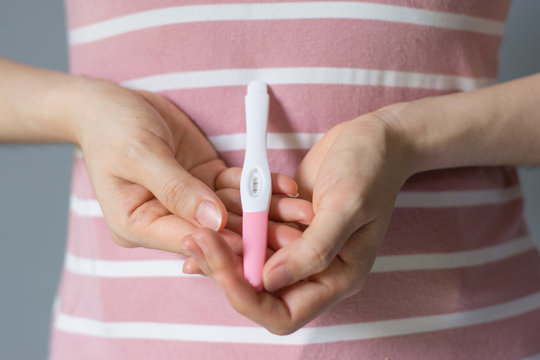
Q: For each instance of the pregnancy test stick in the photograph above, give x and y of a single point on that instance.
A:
(255, 184)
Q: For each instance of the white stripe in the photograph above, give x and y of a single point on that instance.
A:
(306, 75)
(85, 207)
(405, 199)
(308, 335)
(275, 141)
(282, 11)
(453, 260)
(125, 268)
(172, 268)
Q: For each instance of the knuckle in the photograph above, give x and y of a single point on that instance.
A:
(344, 287)
(240, 306)
(320, 257)
(349, 283)
(306, 212)
(282, 329)
(174, 191)
(138, 147)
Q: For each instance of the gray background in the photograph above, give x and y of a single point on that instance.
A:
(34, 180)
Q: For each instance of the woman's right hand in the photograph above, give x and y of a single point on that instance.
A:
(141, 151)
(154, 173)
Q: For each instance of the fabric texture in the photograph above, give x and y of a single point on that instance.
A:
(457, 275)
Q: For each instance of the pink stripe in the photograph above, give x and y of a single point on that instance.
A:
(472, 178)
(427, 231)
(80, 180)
(446, 230)
(90, 237)
(66, 346)
(81, 13)
(419, 293)
(293, 108)
(362, 44)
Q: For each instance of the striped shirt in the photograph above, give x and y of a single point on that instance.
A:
(457, 276)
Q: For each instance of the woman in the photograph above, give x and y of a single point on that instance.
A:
(382, 81)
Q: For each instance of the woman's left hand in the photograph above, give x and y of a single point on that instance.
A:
(352, 176)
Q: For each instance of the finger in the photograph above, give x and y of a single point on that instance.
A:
(219, 262)
(207, 171)
(279, 235)
(137, 218)
(151, 164)
(234, 223)
(281, 184)
(191, 267)
(344, 277)
(233, 239)
(307, 299)
(281, 209)
(310, 254)
(282, 314)
(309, 167)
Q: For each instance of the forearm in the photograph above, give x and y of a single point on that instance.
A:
(498, 125)
(33, 103)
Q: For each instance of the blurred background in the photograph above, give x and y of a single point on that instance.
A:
(33, 210)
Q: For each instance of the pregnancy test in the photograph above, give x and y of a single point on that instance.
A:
(255, 184)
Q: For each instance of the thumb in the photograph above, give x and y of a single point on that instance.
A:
(180, 192)
(313, 252)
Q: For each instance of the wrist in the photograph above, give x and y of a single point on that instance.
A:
(432, 133)
(66, 106)
(492, 126)
(400, 136)
(33, 103)
(73, 105)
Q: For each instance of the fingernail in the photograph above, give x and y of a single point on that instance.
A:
(278, 278)
(199, 242)
(188, 246)
(189, 267)
(295, 195)
(209, 216)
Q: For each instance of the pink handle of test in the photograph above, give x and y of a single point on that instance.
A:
(254, 238)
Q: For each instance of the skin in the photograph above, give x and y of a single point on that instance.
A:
(323, 243)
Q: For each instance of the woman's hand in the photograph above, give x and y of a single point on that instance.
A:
(352, 175)
(153, 172)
